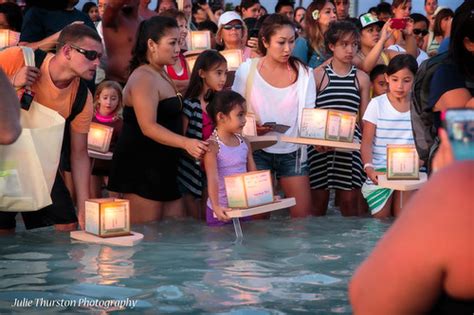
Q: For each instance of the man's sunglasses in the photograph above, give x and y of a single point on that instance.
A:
(228, 27)
(417, 32)
(89, 54)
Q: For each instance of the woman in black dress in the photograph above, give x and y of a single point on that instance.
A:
(144, 167)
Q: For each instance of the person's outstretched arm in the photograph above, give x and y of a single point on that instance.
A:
(10, 127)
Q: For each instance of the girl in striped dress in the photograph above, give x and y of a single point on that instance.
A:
(209, 75)
(340, 86)
(387, 121)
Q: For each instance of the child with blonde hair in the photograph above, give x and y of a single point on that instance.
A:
(107, 110)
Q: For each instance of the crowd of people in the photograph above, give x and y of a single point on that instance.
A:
(168, 118)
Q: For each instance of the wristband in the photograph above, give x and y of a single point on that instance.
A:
(366, 165)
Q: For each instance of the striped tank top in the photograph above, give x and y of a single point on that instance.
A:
(338, 170)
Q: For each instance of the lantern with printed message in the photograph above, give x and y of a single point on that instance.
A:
(313, 123)
(233, 57)
(99, 137)
(250, 128)
(402, 162)
(200, 40)
(248, 190)
(8, 38)
(107, 217)
(191, 60)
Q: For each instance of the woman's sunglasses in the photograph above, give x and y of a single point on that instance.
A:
(228, 27)
(89, 54)
(417, 32)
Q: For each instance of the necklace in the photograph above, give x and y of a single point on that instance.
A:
(165, 76)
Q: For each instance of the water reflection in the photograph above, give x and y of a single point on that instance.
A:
(185, 267)
(103, 265)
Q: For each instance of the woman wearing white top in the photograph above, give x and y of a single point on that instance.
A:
(280, 88)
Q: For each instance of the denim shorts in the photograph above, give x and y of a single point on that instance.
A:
(282, 165)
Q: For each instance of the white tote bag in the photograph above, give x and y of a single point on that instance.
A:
(28, 167)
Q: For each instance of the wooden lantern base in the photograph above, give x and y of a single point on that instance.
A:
(402, 185)
(277, 205)
(129, 240)
(339, 145)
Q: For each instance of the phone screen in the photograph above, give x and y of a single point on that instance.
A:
(253, 33)
(398, 24)
(459, 124)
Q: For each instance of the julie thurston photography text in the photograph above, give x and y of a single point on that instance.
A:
(82, 302)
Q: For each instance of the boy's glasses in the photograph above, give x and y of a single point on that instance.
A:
(228, 27)
(417, 32)
(89, 54)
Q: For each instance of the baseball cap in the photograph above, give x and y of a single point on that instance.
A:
(368, 19)
(439, 8)
(228, 17)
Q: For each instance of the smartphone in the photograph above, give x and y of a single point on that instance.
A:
(253, 32)
(459, 124)
(26, 99)
(398, 24)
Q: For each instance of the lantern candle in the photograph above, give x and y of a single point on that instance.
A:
(233, 57)
(200, 40)
(8, 38)
(402, 162)
(313, 123)
(99, 137)
(248, 190)
(107, 217)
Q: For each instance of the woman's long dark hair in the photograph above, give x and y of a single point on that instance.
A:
(207, 60)
(269, 27)
(462, 27)
(153, 28)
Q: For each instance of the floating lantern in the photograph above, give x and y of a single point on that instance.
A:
(249, 189)
(233, 57)
(402, 162)
(99, 137)
(107, 217)
(200, 40)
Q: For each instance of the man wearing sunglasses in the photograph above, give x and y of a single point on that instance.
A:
(57, 84)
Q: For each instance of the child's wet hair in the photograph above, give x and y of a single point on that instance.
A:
(337, 30)
(108, 85)
(224, 102)
(403, 61)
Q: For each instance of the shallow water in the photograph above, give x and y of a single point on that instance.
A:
(283, 266)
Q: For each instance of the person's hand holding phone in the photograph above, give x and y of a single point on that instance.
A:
(386, 31)
(262, 130)
(398, 24)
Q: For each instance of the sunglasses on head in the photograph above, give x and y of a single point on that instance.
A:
(417, 31)
(89, 54)
(230, 26)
